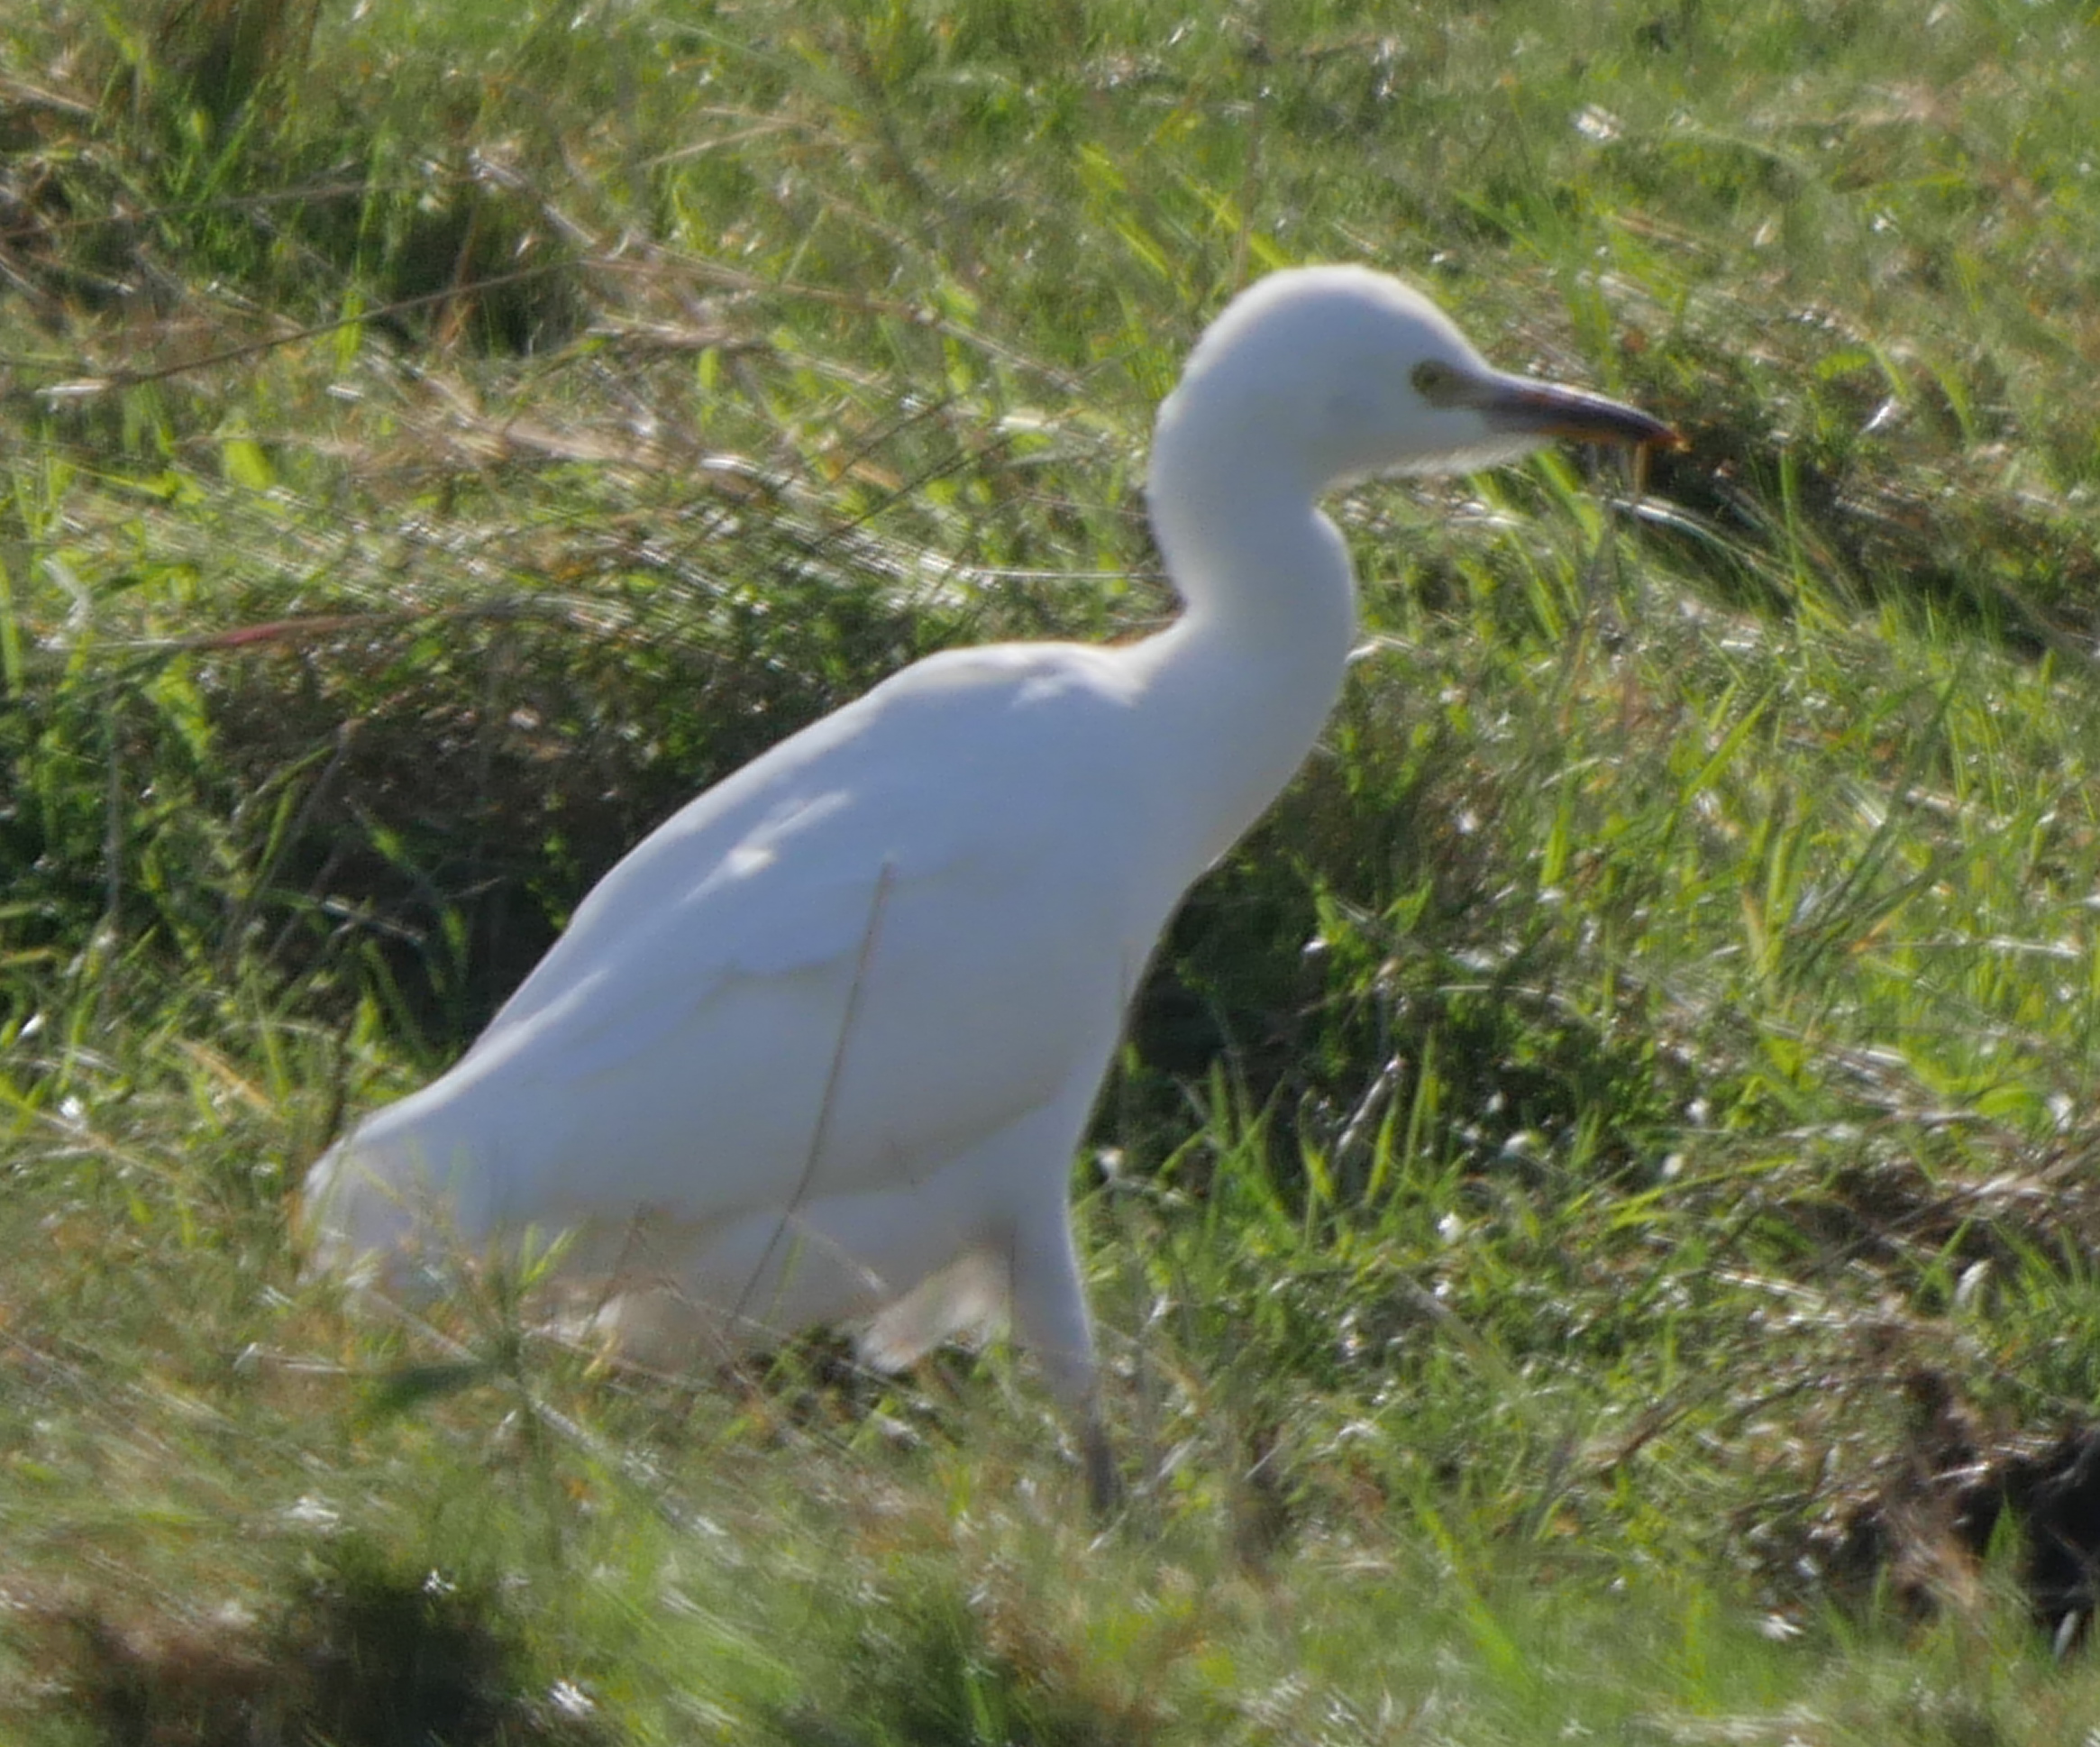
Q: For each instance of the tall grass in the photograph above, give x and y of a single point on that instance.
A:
(1597, 1207)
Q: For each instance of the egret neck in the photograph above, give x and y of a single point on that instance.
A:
(1243, 682)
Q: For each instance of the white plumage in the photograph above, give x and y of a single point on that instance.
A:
(820, 1049)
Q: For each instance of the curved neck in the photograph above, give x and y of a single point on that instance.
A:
(1248, 676)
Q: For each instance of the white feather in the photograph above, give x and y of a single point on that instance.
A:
(821, 1047)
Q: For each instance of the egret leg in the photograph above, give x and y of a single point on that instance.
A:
(1050, 1320)
(832, 1260)
(1104, 1482)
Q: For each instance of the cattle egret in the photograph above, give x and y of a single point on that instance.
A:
(821, 1048)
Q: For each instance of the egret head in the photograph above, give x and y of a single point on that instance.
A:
(1319, 375)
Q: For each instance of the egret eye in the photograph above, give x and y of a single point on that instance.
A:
(1436, 382)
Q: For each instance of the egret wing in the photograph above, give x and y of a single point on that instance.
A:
(886, 939)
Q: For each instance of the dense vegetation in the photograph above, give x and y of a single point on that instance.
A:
(1597, 1219)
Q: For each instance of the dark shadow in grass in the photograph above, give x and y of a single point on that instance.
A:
(2054, 1493)
(1921, 1532)
(369, 1654)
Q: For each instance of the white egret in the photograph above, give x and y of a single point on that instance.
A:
(821, 1048)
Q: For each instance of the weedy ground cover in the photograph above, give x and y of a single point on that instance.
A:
(1594, 1225)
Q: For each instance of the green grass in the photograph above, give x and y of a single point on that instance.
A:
(1590, 1175)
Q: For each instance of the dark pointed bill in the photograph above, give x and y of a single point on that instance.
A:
(1513, 403)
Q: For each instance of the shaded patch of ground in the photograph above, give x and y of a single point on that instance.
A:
(364, 1656)
(1919, 1530)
